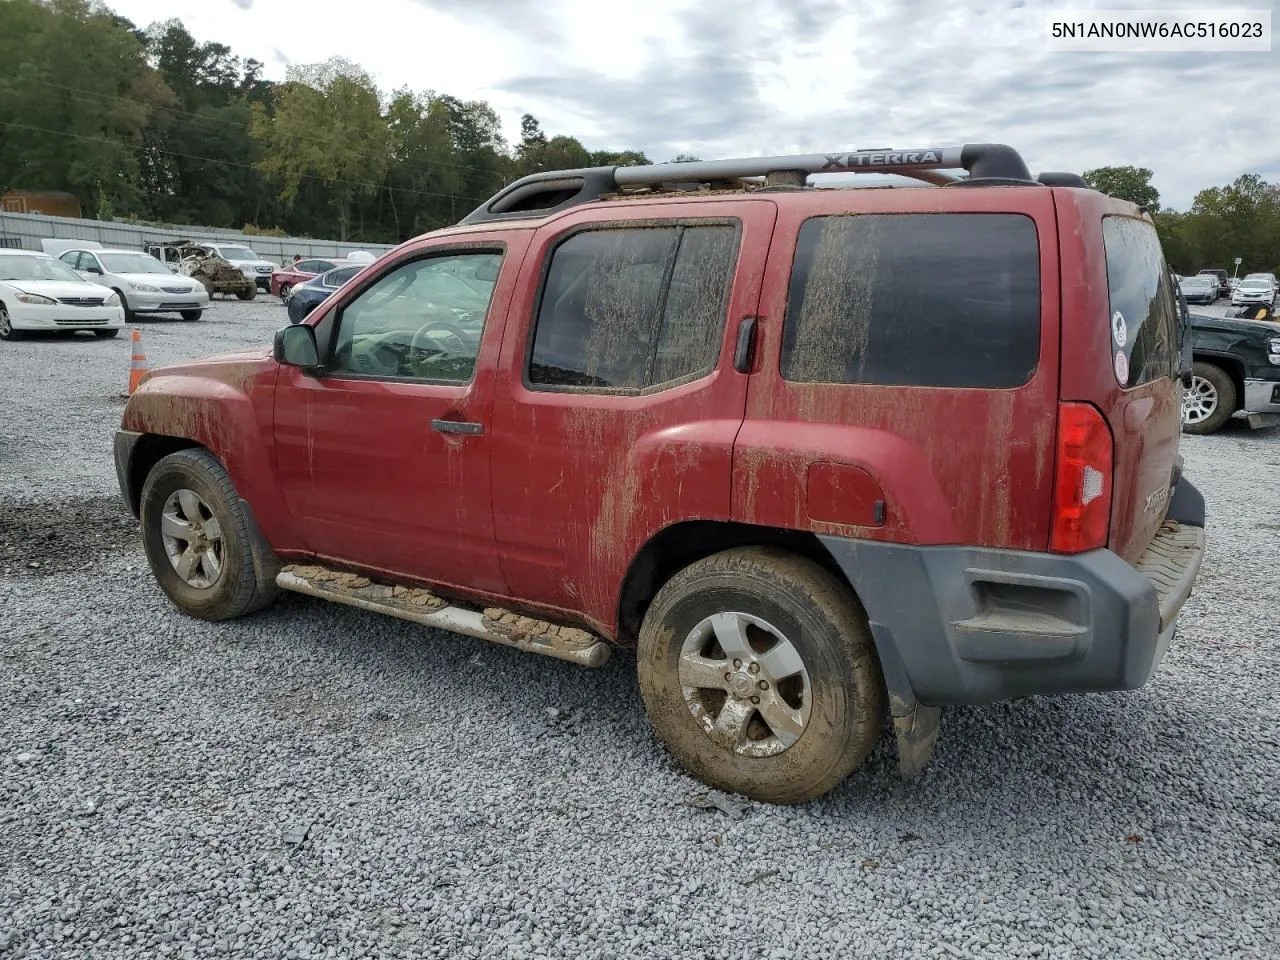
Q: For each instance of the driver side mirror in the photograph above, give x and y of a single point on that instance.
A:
(295, 346)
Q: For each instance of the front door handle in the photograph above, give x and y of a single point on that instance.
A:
(458, 426)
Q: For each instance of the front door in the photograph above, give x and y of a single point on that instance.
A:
(618, 402)
(384, 456)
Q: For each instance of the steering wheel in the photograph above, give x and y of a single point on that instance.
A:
(447, 338)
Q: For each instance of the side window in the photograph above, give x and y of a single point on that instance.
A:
(423, 320)
(311, 266)
(938, 300)
(1142, 323)
(336, 278)
(71, 258)
(634, 307)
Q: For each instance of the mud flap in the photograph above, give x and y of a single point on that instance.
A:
(915, 725)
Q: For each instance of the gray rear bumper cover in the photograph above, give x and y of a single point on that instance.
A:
(957, 625)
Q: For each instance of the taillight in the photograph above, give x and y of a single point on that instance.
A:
(1082, 486)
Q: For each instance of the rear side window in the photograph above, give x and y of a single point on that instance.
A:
(936, 300)
(1142, 302)
(632, 308)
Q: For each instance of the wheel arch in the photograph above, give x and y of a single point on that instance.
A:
(150, 449)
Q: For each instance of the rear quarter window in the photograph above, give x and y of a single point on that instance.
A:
(938, 300)
(1140, 293)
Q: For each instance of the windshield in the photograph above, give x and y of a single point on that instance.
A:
(237, 253)
(131, 263)
(1255, 285)
(36, 268)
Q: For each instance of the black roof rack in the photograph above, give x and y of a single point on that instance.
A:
(540, 194)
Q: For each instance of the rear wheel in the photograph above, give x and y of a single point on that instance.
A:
(1210, 400)
(7, 329)
(198, 537)
(286, 290)
(248, 294)
(758, 673)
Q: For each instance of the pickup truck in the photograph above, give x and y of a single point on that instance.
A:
(1236, 370)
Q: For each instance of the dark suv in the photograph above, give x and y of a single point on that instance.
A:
(817, 455)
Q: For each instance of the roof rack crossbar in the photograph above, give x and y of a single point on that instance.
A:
(994, 161)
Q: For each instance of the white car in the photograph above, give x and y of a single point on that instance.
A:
(144, 283)
(1254, 290)
(38, 292)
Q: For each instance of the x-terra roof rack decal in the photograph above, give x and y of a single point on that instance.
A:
(540, 194)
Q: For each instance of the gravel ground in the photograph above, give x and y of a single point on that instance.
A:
(316, 781)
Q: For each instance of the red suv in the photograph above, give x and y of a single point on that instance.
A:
(818, 455)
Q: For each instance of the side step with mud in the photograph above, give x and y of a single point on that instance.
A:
(422, 606)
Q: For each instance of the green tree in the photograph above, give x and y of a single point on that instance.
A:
(1126, 183)
(327, 126)
(75, 97)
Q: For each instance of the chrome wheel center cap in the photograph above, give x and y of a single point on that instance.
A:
(742, 684)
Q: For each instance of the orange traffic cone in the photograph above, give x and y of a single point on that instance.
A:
(138, 365)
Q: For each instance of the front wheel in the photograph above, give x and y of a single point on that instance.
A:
(192, 314)
(7, 330)
(199, 539)
(129, 315)
(286, 290)
(758, 673)
(107, 334)
(1210, 400)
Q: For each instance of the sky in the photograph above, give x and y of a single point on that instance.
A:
(768, 77)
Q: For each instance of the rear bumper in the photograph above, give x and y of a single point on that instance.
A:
(957, 625)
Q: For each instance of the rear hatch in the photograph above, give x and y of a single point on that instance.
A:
(1120, 355)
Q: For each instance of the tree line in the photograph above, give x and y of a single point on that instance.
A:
(1241, 220)
(154, 124)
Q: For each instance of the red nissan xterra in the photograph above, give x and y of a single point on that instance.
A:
(818, 455)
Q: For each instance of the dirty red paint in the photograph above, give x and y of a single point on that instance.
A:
(547, 508)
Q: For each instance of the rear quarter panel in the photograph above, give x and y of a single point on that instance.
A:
(1146, 421)
(954, 465)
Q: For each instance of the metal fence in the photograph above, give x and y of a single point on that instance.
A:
(26, 230)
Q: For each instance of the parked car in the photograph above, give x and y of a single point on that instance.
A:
(1200, 289)
(38, 292)
(1237, 370)
(1254, 290)
(309, 294)
(143, 283)
(1224, 283)
(286, 278)
(814, 467)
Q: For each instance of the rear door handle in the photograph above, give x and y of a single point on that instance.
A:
(458, 426)
(744, 350)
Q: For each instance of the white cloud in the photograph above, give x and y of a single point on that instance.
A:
(721, 80)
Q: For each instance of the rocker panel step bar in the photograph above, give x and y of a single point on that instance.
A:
(423, 607)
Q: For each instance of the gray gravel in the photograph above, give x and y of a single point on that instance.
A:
(316, 781)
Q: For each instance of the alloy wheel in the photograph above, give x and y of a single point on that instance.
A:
(746, 684)
(1199, 401)
(192, 539)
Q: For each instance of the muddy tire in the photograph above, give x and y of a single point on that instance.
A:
(199, 539)
(1210, 400)
(758, 673)
(248, 294)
